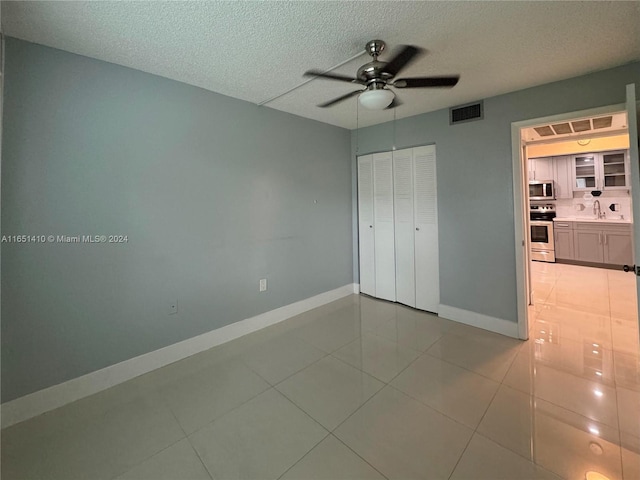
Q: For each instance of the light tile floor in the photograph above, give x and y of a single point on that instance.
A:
(366, 389)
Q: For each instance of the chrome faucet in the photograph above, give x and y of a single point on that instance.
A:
(597, 211)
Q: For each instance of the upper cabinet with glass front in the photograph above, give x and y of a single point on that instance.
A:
(601, 171)
(614, 170)
(585, 167)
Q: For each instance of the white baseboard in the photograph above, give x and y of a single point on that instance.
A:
(42, 401)
(356, 288)
(493, 324)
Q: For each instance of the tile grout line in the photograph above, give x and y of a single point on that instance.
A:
(228, 412)
(305, 455)
(330, 432)
(164, 404)
(475, 431)
(202, 426)
(358, 455)
(148, 458)
(426, 352)
(461, 455)
(195, 450)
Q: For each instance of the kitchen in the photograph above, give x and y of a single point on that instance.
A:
(579, 192)
(582, 303)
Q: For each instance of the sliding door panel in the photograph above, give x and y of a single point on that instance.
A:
(404, 229)
(385, 264)
(427, 276)
(365, 225)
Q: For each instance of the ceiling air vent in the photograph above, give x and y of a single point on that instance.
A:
(466, 113)
(581, 125)
(562, 128)
(545, 131)
(602, 122)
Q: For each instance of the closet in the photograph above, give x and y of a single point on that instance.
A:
(398, 227)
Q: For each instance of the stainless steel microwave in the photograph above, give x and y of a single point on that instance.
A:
(541, 190)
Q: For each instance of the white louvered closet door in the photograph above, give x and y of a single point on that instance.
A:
(427, 276)
(365, 225)
(384, 239)
(404, 229)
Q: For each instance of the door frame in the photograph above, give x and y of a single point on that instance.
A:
(521, 201)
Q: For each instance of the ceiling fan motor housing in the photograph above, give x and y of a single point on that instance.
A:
(373, 71)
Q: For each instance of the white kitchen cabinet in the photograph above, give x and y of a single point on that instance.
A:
(601, 171)
(615, 170)
(563, 178)
(586, 172)
(402, 251)
(541, 168)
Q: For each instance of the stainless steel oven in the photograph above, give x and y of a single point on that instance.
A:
(542, 246)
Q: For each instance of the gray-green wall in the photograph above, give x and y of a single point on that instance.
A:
(475, 183)
(214, 193)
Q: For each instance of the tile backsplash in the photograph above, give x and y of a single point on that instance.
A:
(581, 207)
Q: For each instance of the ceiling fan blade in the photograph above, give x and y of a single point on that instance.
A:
(331, 76)
(405, 55)
(425, 82)
(340, 99)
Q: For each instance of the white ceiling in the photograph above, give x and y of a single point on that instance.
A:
(257, 50)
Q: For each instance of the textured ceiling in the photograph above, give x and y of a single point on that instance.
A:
(257, 50)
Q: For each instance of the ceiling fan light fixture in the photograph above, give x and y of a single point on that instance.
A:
(378, 99)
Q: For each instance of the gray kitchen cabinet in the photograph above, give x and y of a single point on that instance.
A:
(588, 245)
(563, 235)
(617, 247)
(608, 243)
(563, 177)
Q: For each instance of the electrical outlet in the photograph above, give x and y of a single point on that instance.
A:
(173, 307)
(263, 284)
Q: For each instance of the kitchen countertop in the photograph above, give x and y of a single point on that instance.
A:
(592, 220)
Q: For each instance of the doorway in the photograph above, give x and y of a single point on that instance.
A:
(583, 358)
(536, 145)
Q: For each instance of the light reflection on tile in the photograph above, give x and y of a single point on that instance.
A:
(486, 460)
(557, 439)
(587, 397)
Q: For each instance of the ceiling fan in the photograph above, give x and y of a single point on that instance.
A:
(377, 77)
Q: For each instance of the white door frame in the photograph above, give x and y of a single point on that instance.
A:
(520, 203)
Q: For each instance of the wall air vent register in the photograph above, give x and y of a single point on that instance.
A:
(466, 113)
